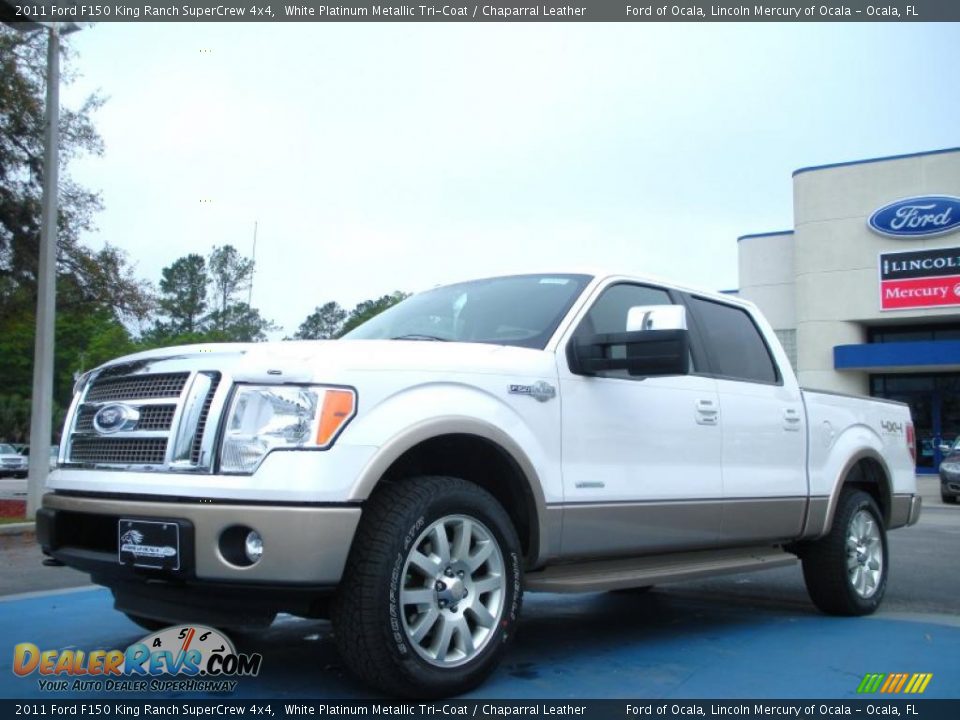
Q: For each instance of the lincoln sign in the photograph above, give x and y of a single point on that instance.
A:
(920, 279)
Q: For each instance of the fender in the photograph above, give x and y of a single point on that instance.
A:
(408, 433)
(857, 443)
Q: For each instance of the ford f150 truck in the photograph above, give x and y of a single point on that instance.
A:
(554, 432)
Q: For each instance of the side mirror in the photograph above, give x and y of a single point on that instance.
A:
(656, 342)
(657, 317)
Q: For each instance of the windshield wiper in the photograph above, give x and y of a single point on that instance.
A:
(415, 336)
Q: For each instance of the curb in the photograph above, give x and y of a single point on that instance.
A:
(23, 528)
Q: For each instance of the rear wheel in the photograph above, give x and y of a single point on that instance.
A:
(949, 499)
(432, 590)
(846, 570)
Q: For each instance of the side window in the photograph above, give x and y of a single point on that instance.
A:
(733, 343)
(609, 312)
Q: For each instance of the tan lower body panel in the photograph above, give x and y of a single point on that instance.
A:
(301, 544)
(654, 527)
(636, 572)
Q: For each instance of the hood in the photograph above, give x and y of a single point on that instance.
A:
(323, 360)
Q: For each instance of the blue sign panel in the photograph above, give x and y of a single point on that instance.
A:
(918, 217)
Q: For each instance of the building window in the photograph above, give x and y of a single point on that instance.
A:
(788, 338)
(913, 333)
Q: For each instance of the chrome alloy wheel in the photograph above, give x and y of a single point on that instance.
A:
(453, 590)
(864, 554)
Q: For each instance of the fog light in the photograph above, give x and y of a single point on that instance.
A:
(253, 546)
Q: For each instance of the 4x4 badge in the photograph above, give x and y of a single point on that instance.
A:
(540, 390)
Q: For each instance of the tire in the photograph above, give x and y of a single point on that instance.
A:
(398, 622)
(948, 499)
(148, 624)
(846, 570)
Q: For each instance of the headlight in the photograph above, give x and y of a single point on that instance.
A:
(266, 417)
(950, 467)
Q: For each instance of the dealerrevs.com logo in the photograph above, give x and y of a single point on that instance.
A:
(183, 658)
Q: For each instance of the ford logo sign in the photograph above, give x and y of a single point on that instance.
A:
(114, 418)
(917, 217)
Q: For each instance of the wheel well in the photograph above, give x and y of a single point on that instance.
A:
(482, 462)
(868, 475)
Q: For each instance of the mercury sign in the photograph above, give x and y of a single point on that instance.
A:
(920, 279)
(917, 217)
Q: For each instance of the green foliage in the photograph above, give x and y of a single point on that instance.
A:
(370, 308)
(323, 323)
(185, 286)
(230, 275)
(184, 293)
(96, 290)
(14, 418)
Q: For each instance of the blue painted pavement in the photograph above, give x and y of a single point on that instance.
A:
(662, 644)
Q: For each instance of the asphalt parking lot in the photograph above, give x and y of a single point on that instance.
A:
(741, 636)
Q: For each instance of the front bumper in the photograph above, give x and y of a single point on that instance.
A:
(949, 483)
(303, 545)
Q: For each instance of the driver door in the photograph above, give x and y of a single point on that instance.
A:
(641, 456)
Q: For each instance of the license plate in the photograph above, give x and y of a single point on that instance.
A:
(149, 544)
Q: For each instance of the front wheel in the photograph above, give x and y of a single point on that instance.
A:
(432, 590)
(846, 570)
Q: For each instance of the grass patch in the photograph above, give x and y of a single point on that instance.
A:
(11, 520)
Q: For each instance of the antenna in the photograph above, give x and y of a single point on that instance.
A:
(254, 267)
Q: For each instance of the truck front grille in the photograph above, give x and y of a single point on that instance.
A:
(166, 385)
(172, 414)
(150, 451)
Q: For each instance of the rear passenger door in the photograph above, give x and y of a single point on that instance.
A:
(763, 425)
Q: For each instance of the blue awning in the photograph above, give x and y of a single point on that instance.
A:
(924, 356)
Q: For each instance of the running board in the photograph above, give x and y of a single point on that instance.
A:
(600, 575)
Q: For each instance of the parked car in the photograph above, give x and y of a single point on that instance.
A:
(950, 473)
(12, 463)
(54, 454)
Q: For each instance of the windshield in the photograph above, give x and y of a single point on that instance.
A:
(520, 310)
(7, 450)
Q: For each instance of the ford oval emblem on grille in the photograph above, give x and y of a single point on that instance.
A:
(114, 418)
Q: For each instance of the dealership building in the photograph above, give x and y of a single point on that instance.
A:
(864, 291)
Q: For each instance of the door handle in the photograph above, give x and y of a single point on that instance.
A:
(791, 419)
(708, 412)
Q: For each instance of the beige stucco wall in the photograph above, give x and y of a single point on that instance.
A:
(836, 256)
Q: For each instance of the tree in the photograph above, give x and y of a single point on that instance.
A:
(102, 276)
(325, 322)
(96, 290)
(230, 274)
(238, 323)
(184, 294)
(370, 308)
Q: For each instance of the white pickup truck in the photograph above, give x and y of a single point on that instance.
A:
(554, 432)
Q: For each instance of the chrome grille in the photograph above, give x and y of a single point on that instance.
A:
(202, 423)
(137, 387)
(152, 417)
(156, 417)
(172, 410)
(149, 451)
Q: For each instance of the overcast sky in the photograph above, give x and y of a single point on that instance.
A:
(387, 156)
